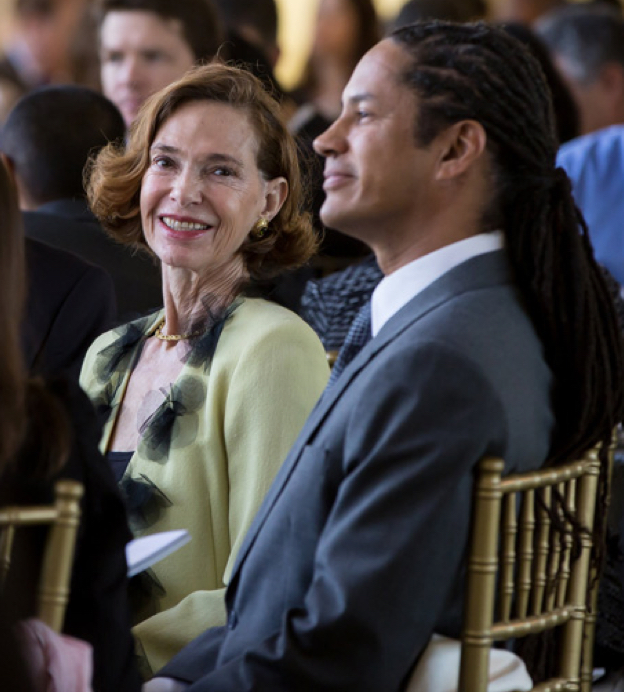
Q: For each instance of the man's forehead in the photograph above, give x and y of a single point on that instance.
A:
(378, 73)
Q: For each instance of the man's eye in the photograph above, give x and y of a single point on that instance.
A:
(114, 57)
(153, 55)
(222, 171)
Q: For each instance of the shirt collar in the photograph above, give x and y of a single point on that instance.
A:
(397, 289)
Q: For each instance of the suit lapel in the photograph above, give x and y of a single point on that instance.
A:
(479, 272)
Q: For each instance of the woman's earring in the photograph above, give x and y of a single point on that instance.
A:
(260, 228)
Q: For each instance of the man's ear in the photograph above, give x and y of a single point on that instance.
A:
(462, 144)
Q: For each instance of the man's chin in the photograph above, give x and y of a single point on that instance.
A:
(338, 219)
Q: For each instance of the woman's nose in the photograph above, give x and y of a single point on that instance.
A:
(186, 189)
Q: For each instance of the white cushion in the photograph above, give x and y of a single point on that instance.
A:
(438, 669)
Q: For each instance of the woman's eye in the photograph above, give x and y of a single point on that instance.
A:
(162, 162)
(362, 115)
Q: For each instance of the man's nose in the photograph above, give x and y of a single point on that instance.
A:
(332, 141)
(130, 72)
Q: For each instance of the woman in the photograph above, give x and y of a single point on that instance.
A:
(204, 398)
(49, 431)
(344, 31)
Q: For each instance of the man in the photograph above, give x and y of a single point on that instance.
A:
(69, 303)
(47, 139)
(39, 46)
(587, 45)
(595, 163)
(147, 44)
(355, 558)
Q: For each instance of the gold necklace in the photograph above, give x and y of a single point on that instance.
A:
(172, 337)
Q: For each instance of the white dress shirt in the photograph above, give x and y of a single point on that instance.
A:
(397, 289)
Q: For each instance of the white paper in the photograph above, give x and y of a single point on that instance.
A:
(142, 553)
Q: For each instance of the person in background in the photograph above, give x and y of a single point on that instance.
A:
(344, 31)
(566, 112)
(450, 10)
(522, 11)
(203, 399)
(48, 139)
(586, 43)
(256, 21)
(39, 46)
(147, 44)
(492, 333)
(48, 430)
(12, 88)
(70, 302)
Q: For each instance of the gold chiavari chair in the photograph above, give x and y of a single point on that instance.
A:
(63, 517)
(331, 357)
(522, 578)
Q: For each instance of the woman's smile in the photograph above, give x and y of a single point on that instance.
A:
(183, 228)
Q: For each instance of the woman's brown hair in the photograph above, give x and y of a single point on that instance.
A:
(28, 411)
(12, 293)
(114, 177)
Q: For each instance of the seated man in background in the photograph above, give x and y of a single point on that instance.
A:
(586, 43)
(47, 140)
(492, 334)
(147, 44)
(69, 303)
(595, 164)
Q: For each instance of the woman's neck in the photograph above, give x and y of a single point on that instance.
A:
(192, 301)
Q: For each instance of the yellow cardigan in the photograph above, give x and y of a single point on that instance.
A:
(236, 417)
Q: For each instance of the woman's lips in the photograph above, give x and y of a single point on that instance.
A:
(182, 227)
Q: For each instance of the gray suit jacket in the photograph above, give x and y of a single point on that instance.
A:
(356, 556)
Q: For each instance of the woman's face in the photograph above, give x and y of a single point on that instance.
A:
(203, 192)
(336, 29)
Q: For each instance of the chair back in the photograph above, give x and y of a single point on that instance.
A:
(63, 517)
(525, 573)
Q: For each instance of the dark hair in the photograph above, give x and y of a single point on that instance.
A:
(368, 34)
(27, 411)
(480, 72)
(566, 112)
(50, 134)
(12, 294)
(586, 36)
(368, 28)
(261, 14)
(42, 7)
(451, 10)
(115, 178)
(201, 26)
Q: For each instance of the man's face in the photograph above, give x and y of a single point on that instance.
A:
(140, 54)
(599, 101)
(377, 180)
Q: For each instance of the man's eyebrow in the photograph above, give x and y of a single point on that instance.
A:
(211, 158)
(358, 98)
